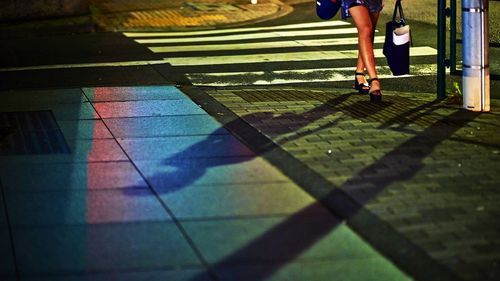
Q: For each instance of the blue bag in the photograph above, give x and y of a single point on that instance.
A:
(327, 9)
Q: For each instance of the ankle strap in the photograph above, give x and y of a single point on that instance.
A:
(359, 73)
(373, 79)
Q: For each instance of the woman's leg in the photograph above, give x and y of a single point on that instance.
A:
(363, 21)
(374, 19)
(360, 66)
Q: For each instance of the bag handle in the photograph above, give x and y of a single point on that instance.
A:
(398, 7)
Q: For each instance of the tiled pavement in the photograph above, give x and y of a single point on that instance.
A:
(153, 188)
(425, 170)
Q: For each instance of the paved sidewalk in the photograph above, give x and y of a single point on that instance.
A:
(139, 183)
(423, 174)
(135, 183)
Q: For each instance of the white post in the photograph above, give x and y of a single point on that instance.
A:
(476, 72)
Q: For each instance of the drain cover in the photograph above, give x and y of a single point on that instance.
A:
(30, 132)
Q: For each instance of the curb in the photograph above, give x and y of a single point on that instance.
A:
(125, 21)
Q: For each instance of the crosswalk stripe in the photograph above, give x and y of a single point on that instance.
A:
(261, 45)
(263, 35)
(190, 49)
(297, 76)
(233, 30)
(285, 57)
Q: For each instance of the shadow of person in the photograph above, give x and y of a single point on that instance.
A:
(220, 148)
(400, 164)
(287, 240)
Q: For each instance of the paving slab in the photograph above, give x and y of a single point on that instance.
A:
(100, 94)
(184, 147)
(167, 177)
(163, 126)
(272, 243)
(84, 129)
(70, 176)
(98, 150)
(83, 207)
(101, 248)
(147, 108)
(239, 201)
(358, 269)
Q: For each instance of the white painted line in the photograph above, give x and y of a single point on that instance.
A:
(262, 35)
(83, 65)
(298, 76)
(286, 57)
(233, 30)
(261, 45)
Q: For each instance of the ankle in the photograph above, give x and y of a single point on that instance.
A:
(374, 83)
(360, 77)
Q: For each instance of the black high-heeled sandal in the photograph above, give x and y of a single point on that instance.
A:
(362, 88)
(375, 95)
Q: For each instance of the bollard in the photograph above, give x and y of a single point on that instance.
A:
(475, 41)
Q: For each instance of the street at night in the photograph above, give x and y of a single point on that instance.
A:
(223, 140)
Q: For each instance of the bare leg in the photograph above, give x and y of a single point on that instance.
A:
(374, 20)
(364, 22)
(360, 68)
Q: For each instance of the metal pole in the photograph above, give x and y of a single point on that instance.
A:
(453, 37)
(476, 74)
(441, 45)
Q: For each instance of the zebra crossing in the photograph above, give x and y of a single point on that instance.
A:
(285, 54)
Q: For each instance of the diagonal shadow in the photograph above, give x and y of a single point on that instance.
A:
(186, 167)
(409, 156)
(287, 240)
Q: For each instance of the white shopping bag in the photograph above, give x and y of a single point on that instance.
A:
(401, 35)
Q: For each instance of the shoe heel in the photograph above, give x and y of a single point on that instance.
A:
(377, 97)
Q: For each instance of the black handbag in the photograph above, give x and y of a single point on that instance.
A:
(397, 42)
(327, 9)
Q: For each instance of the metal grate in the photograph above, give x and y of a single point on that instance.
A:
(30, 132)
